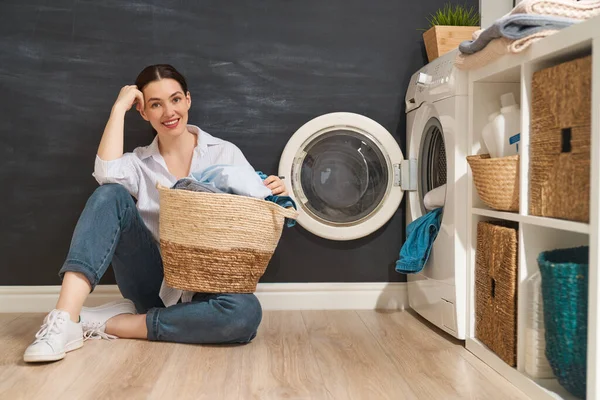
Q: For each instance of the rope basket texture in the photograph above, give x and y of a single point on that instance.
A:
(496, 288)
(560, 141)
(565, 293)
(217, 243)
(496, 180)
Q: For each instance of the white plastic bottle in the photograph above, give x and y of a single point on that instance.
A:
(488, 135)
(507, 127)
(536, 363)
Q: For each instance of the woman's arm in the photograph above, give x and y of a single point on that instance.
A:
(111, 144)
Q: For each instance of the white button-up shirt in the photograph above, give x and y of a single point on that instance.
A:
(140, 171)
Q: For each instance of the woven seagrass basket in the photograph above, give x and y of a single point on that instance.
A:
(217, 243)
(496, 180)
(496, 288)
(560, 141)
(565, 294)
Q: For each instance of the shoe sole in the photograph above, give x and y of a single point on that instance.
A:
(77, 344)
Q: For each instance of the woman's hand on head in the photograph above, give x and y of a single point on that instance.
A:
(128, 96)
(276, 185)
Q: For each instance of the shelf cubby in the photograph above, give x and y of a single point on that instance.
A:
(536, 234)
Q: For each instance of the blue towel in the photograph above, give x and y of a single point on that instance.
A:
(234, 179)
(514, 27)
(420, 235)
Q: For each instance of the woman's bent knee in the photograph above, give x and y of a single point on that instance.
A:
(239, 316)
(247, 317)
(109, 193)
(211, 319)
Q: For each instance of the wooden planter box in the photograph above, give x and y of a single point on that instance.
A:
(441, 39)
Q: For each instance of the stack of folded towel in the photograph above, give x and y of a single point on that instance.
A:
(528, 22)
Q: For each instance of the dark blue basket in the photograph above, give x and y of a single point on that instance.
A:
(565, 294)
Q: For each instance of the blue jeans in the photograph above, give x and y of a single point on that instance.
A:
(110, 230)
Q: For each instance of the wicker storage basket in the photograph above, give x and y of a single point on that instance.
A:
(217, 243)
(560, 141)
(565, 293)
(496, 180)
(496, 288)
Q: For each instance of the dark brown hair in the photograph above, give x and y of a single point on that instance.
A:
(159, 71)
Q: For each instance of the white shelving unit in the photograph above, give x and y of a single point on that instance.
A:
(536, 234)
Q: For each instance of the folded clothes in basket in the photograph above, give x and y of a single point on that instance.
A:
(220, 182)
(234, 179)
(195, 186)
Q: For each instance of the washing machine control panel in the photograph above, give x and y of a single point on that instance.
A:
(441, 72)
(437, 80)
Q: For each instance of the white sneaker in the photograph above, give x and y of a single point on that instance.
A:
(57, 336)
(93, 319)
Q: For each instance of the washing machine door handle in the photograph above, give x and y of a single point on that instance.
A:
(405, 175)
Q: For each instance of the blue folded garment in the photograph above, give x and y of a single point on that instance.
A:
(234, 179)
(515, 27)
(420, 235)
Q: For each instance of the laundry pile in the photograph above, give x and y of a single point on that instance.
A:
(236, 180)
(528, 22)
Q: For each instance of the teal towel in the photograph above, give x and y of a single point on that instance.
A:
(420, 235)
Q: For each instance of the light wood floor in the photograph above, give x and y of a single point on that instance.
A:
(296, 355)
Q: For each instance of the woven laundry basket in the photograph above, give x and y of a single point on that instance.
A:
(560, 141)
(496, 180)
(496, 288)
(565, 293)
(217, 243)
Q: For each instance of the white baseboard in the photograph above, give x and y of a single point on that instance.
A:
(273, 296)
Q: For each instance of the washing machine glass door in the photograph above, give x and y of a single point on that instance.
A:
(342, 175)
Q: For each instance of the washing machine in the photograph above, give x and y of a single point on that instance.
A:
(348, 176)
(345, 172)
(436, 128)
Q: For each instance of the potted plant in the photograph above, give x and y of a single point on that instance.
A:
(449, 26)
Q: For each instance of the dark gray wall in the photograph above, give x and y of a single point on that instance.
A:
(257, 71)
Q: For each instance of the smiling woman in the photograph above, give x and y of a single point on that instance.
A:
(113, 229)
(176, 99)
